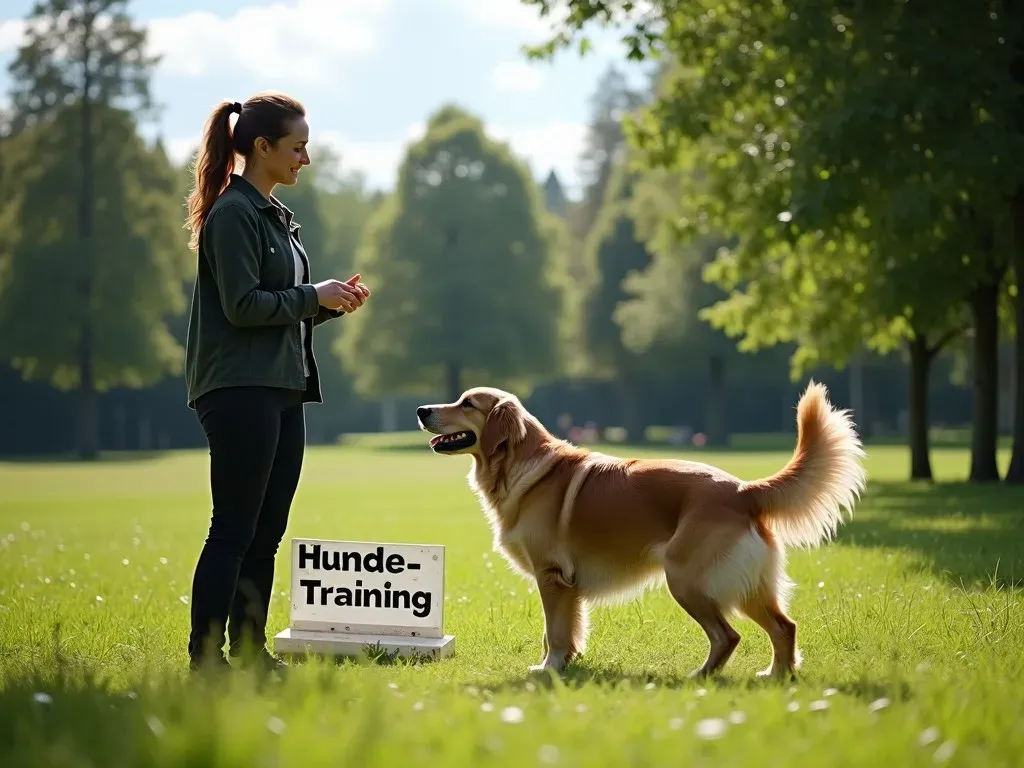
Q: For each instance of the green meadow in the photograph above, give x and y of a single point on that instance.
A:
(911, 626)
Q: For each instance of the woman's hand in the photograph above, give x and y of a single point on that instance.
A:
(347, 296)
(354, 282)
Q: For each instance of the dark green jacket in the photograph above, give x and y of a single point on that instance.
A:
(246, 309)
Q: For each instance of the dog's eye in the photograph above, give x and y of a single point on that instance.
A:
(467, 403)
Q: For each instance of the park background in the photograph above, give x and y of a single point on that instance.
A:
(587, 290)
(655, 232)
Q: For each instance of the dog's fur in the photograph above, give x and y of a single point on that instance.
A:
(593, 528)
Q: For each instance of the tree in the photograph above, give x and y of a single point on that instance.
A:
(9, 212)
(136, 275)
(464, 270)
(79, 57)
(555, 200)
(613, 252)
(661, 318)
(841, 127)
(604, 142)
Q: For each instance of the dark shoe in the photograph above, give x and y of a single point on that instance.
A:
(261, 661)
(212, 665)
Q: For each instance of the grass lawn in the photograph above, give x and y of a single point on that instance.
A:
(911, 626)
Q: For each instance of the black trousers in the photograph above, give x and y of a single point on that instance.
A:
(257, 438)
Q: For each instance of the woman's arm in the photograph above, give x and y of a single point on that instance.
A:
(232, 248)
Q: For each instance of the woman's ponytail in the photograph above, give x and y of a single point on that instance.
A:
(213, 167)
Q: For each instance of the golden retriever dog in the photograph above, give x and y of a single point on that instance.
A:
(591, 528)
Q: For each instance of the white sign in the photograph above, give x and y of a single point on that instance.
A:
(346, 595)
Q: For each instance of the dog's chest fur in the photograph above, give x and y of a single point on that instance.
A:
(502, 504)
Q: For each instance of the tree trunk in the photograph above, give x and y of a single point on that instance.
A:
(631, 402)
(1015, 472)
(718, 433)
(917, 400)
(857, 396)
(88, 399)
(984, 301)
(453, 381)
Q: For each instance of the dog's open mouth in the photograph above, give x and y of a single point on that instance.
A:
(455, 441)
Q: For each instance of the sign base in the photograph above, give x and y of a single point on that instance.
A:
(300, 641)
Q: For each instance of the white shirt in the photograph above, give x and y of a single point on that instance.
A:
(300, 278)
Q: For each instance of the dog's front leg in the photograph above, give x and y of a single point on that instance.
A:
(564, 620)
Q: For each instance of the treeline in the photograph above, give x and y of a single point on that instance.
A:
(622, 308)
(862, 164)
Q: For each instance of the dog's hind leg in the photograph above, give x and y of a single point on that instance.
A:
(565, 620)
(765, 610)
(722, 637)
(709, 570)
(767, 607)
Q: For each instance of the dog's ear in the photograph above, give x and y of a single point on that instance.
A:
(504, 424)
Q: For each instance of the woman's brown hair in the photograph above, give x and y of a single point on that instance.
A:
(265, 114)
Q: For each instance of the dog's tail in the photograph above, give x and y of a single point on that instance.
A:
(803, 503)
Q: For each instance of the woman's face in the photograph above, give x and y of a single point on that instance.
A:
(283, 160)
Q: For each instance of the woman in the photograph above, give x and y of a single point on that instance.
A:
(249, 364)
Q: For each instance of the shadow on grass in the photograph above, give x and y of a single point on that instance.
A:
(579, 675)
(970, 535)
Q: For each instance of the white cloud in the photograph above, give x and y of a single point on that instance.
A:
(11, 32)
(547, 146)
(302, 40)
(180, 150)
(298, 40)
(516, 76)
(376, 159)
(512, 14)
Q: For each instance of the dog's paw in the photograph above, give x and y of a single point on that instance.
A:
(699, 674)
(777, 674)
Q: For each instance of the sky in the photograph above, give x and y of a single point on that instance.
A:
(370, 72)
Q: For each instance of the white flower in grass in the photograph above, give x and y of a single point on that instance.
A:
(944, 752)
(42, 698)
(512, 715)
(155, 725)
(878, 704)
(712, 728)
(548, 754)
